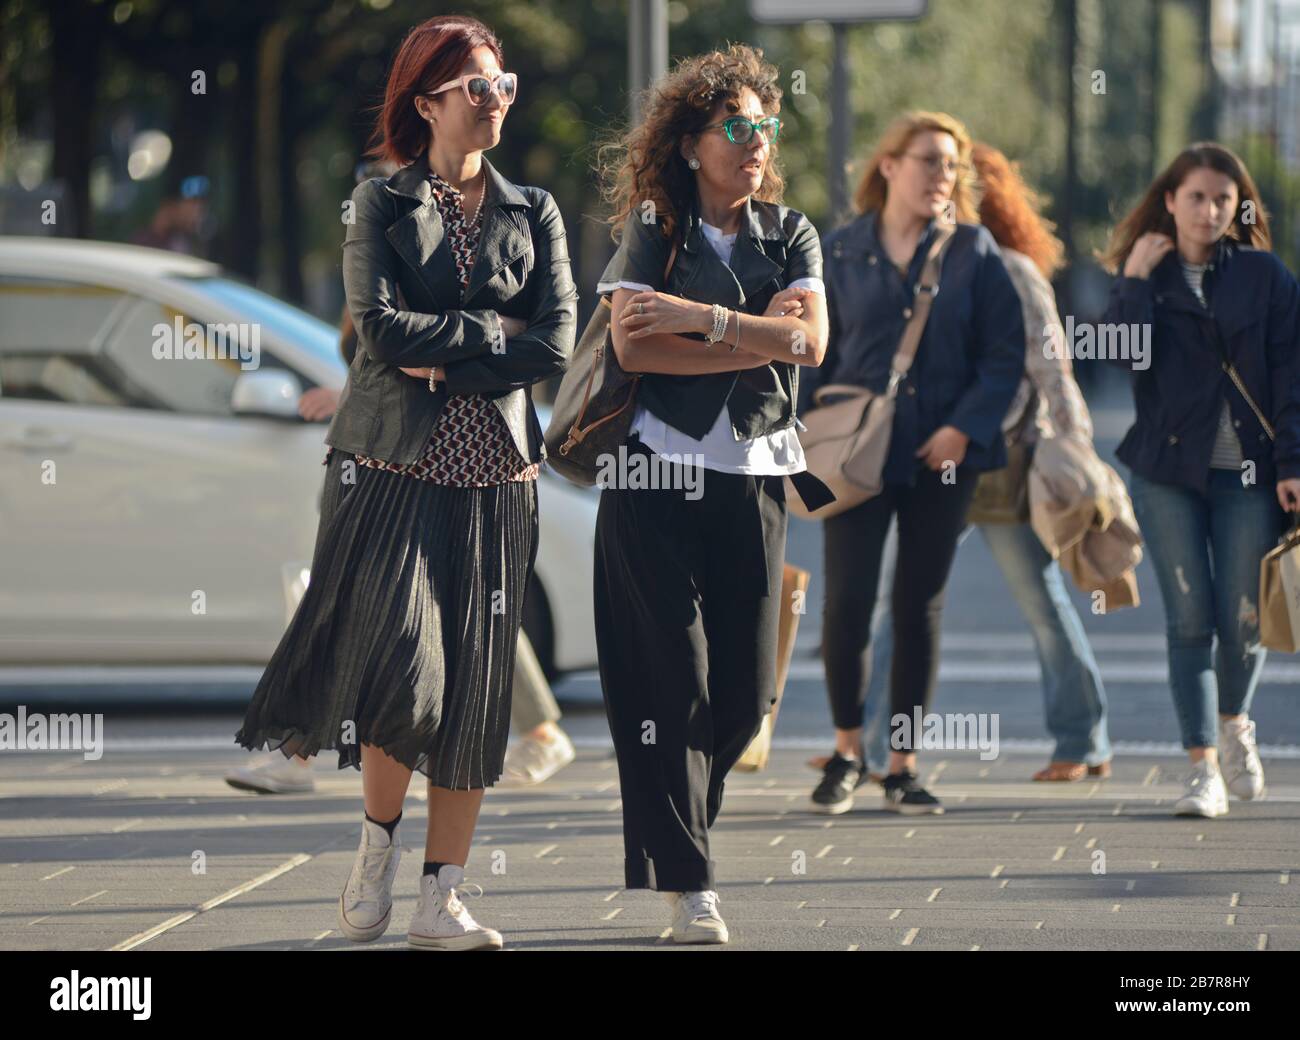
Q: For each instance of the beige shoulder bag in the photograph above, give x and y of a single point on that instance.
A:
(847, 440)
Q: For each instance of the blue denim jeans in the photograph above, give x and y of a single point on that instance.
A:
(1073, 694)
(1205, 549)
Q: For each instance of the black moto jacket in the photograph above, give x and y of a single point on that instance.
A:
(405, 300)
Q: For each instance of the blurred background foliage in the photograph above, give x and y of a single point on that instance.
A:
(291, 85)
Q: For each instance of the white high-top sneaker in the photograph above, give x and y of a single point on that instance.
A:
(1204, 794)
(1239, 758)
(366, 905)
(696, 918)
(441, 921)
(273, 774)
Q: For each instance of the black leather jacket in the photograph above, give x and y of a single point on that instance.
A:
(405, 300)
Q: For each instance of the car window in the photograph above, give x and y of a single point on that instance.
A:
(51, 336)
(282, 319)
(181, 364)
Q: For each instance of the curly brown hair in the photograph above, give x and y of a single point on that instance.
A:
(645, 162)
(1012, 210)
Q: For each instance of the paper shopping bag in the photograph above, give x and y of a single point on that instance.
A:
(793, 579)
(1279, 595)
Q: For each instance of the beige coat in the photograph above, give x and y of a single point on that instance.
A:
(1081, 512)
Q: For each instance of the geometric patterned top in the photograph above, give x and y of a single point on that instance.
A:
(470, 445)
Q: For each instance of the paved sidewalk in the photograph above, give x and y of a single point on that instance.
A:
(97, 855)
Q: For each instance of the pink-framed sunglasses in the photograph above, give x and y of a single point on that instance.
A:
(477, 87)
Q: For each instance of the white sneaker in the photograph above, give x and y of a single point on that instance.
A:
(1239, 758)
(696, 918)
(274, 774)
(366, 904)
(441, 921)
(530, 761)
(1205, 794)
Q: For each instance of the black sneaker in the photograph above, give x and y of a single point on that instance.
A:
(904, 795)
(840, 778)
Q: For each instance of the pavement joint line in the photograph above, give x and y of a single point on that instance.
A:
(1120, 749)
(140, 938)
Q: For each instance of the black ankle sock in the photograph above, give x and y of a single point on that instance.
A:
(387, 826)
(432, 867)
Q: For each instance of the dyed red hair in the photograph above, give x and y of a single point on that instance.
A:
(1012, 210)
(432, 53)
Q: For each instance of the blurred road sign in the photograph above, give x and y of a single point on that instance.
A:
(786, 11)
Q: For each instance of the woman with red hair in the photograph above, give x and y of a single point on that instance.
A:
(402, 650)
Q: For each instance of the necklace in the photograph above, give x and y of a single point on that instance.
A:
(481, 195)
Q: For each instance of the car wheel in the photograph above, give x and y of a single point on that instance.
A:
(539, 627)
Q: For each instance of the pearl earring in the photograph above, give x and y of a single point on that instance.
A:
(694, 164)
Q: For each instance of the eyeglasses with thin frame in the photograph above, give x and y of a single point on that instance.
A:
(935, 163)
(740, 130)
(478, 87)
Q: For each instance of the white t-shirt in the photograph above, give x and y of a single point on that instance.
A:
(775, 453)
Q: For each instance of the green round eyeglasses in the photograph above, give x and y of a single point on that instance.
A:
(740, 130)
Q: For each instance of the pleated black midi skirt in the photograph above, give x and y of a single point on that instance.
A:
(405, 637)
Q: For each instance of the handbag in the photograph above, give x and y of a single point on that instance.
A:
(1279, 593)
(1002, 495)
(793, 579)
(593, 409)
(846, 438)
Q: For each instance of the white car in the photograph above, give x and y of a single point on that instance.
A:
(160, 510)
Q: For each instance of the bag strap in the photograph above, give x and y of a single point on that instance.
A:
(577, 432)
(1235, 376)
(927, 288)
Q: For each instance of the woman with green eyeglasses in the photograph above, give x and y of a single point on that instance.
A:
(717, 302)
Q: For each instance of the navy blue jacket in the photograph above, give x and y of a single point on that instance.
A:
(1252, 313)
(971, 357)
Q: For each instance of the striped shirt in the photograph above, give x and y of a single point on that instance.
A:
(1226, 453)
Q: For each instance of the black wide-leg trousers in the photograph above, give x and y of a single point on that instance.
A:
(687, 601)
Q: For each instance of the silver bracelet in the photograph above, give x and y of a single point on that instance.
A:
(737, 343)
(719, 323)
